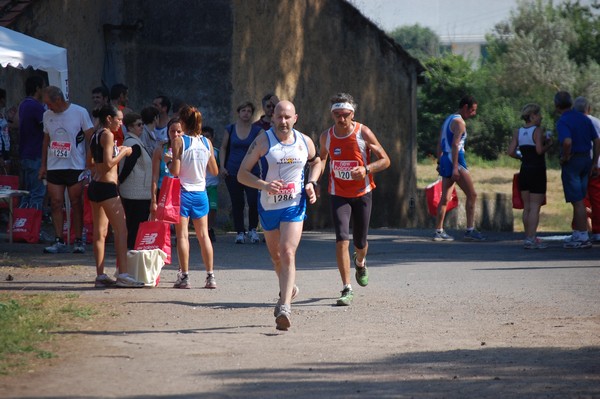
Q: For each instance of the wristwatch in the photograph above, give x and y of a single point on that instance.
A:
(314, 183)
(367, 170)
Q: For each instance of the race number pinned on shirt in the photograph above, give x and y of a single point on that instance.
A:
(286, 193)
(342, 169)
(60, 149)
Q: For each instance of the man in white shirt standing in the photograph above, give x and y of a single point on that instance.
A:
(67, 129)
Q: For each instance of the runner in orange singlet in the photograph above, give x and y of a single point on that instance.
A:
(349, 145)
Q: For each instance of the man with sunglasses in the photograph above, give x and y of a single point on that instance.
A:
(349, 145)
(269, 102)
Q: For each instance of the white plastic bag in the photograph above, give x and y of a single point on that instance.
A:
(145, 265)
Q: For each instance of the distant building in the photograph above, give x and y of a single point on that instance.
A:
(471, 47)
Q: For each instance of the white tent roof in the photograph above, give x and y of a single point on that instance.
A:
(22, 51)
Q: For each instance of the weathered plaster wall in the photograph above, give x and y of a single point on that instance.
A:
(214, 54)
(306, 51)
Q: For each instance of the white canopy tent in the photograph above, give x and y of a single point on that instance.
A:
(22, 51)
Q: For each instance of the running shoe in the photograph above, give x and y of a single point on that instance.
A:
(473, 235)
(283, 318)
(253, 236)
(443, 236)
(183, 281)
(578, 244)
(239, 239)
(295, 292)
(78, 247)
(346, 298)
(103, 281)
(211, 282)
(56, 248)
(362, 273)
(124, 280)
(528, 243)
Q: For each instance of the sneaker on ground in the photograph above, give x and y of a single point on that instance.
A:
(183, 281)
(362, 273)
(211, 282)
(103, 281)
(56, 248)
(534, 244)
(578, 244)
(569, 238)
(443, 236)
(346, 298)
(283, 318)
(78, 247)
(124, 280)
(212, 235)
(239, 239)
(295, 292)
(253, 236)
(473, 235)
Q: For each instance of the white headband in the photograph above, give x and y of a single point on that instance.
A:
(347, 106)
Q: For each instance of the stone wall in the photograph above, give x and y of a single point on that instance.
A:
(214, 54)
(493, 212)
(306, 51)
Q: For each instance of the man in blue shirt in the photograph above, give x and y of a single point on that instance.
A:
(31, 136)
(577, 137)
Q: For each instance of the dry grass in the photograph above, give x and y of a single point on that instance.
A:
(555, 215)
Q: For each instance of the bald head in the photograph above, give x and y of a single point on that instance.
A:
(284, 117)
(286, 105)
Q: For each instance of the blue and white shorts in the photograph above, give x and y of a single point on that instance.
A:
(194, 204)
(446, 165)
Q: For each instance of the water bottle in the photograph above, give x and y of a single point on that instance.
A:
(518, 153)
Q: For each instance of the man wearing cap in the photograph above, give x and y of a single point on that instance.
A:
(349, 145)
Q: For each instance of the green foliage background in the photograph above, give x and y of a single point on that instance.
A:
(545, 46)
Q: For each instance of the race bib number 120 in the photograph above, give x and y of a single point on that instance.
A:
(341, 169)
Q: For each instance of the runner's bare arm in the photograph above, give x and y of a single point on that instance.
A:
(257, 149)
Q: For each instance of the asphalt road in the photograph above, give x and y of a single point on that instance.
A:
(451, 320)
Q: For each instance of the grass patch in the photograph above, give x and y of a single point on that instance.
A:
(496, 177)
(27, 322)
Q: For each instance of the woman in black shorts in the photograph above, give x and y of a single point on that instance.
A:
(533, 144)
(104, 196)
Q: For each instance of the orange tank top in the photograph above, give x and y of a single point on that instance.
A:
(346, 153)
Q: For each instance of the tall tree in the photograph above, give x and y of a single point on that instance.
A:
(421, 42)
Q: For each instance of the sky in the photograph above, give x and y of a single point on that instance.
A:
(445, 17)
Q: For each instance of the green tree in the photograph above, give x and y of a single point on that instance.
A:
(448, 78)
(421, 42)
(540, 49)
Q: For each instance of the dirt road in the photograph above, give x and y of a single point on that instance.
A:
(452, 320)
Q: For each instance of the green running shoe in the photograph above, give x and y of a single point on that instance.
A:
(362, 274)
(346, 298)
